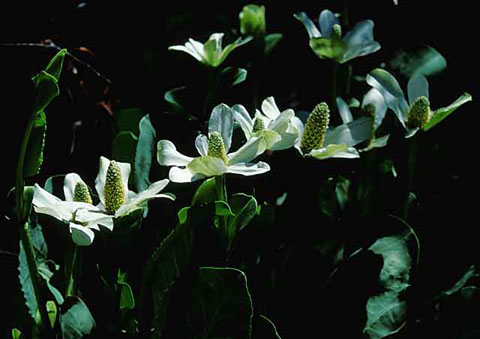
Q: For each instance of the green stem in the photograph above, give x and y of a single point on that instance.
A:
(70, 268)
(23, 228)
(413, 146)
(221, 191)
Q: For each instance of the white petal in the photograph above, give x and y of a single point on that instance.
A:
(181, 175)
(46, 203)
(100, 179)
(94, 217)
(344, 111)
(208, 166)
(187, 49)
(69, 183)
(335, 151)
(241, 115)
(249, 151)
(197, 47)
(375, 98)
(350, 134)
(81, 235)
(201, 143)
(280, 124)
(150, 193)
(249, 168)
(288, 140)
(270, 109)
(125, 169)
(167, 155)
(221, 120)
(417, 86)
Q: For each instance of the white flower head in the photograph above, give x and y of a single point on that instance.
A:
(327, 40)
(319, 141)
(279, 129)
(112, 187)
(211, 52)
(415, 113)
(214, 159)
(76, 210)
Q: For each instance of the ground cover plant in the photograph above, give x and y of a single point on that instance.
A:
(263, 171)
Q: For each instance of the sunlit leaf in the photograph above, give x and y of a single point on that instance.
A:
(441, 113)
(75, 319)
(423, 60)
(145, 151)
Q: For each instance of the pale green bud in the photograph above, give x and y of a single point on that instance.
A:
(337, 31)
(216, 147)
(252, 21)
(419, 113)
(114, 190)
(315, 128)
(81, 193)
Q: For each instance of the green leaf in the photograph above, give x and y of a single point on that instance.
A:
(386, 315)
(271, 40)
(44, 266)
(46, 89)
(52, 312)
(244, 208)
(36, 144)
(55, 65)
(175, 97)
(441, 113)
(128, 119)
(145, 150)
(169, 261)
(129, 221)
(264, 328)
(423, 60)
(206, 193)
(76, 320)
(328, 48)
(472, 272)
(222, 305)
(223, 209)
(16, 334)
(231, 76)
(127, 301)
(124, 146)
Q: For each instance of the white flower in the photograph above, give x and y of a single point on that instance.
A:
(374, 106)
(82, 217)
(279, 129)
(211, 52)
(112, 188)
(214, 159)
(320, 142)
(414, 114)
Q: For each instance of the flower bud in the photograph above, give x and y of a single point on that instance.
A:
(419, 113)
(252, 21)
(114, 190)
(336, 31)
(216, 147)
(314, 134)
(81, 193)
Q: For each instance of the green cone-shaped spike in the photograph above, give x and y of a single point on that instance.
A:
(216, 147)
(81, 193)
(337, 31)
(114, 190)
(258, 124)
(419, 113)
(315, 128)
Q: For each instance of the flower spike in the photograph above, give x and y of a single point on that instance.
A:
(315, 128)
(114, 190)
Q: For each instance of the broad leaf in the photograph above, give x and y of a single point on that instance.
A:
(441, 113)
(222, 305)
(145, 151)
(206, 193)
(271, 41)
(169, 261)
(128, 119)
(124, 146)
(264, 328)
(423, 60)
(76, 320)
(386, 315)
(244, 208)
(231, 76)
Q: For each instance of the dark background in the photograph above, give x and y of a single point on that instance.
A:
(126, 43)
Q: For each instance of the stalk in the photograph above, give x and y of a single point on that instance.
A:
(70, 269)
(413, 146)
(23, 228)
